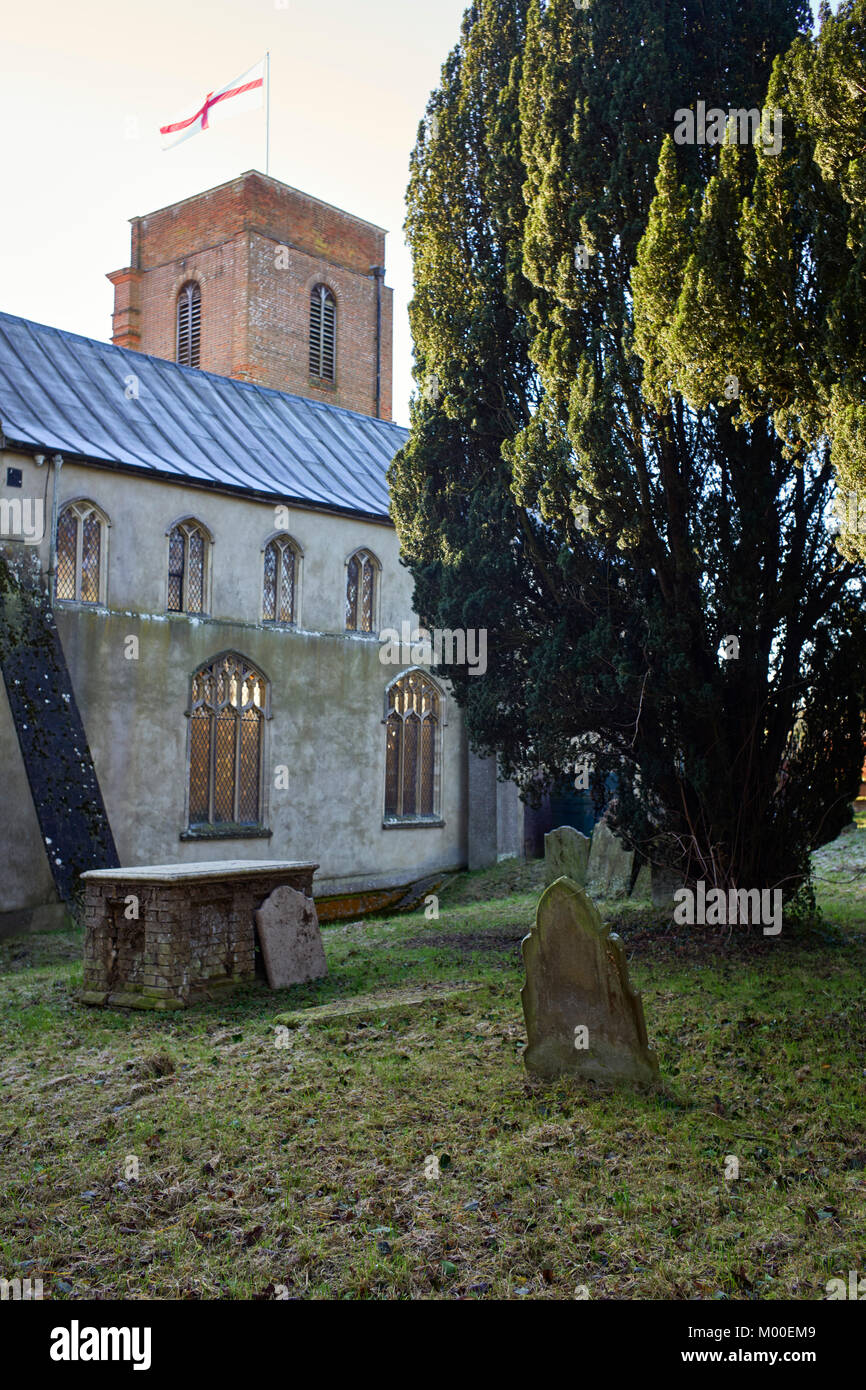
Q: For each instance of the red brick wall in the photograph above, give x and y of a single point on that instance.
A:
(255, 297)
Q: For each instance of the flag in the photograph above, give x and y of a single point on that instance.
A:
(245, 93)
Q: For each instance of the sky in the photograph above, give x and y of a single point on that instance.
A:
(84, 88)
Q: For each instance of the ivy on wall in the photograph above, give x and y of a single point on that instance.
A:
(57, 759)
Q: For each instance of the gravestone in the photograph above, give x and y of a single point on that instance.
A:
(582, 1016)
(164, 936)
(291, 941)
(643, 884)
(610, 865)
(665, 883)
(566, 855)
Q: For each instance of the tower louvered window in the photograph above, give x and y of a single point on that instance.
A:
(412, 749)
(189, 325)
(227, 713)
(323, 334)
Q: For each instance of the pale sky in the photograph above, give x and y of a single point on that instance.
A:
(349, 83)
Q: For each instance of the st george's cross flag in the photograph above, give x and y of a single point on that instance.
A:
(243, 94)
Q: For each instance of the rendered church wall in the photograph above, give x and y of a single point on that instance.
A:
(327, 702)
(328, 688)
(142, 510)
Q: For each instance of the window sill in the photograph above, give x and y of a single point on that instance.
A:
(414, 823)
(226, 832)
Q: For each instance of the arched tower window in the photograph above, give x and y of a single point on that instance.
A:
(189, 324)
(323, 334)
(361, 592)
(187, 567)
(279, 590)
(81, 531)
(226, 721)
(413, 748)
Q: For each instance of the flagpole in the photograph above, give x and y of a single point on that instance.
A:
(268, 119)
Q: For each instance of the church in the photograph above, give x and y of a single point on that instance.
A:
(196, 565)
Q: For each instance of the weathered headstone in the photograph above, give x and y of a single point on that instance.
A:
(566, 854)
(610, 865)
(291, 941)
(665, 884)
(582, 1016)
(643, 884)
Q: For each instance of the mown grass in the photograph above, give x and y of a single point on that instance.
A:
(301, 1168)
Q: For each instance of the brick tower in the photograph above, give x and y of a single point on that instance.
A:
(258, 281)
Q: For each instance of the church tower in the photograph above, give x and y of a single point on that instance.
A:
(257, 281)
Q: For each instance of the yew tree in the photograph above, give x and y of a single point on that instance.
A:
(621, 461)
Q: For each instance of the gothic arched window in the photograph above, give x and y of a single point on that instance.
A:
(279, 590)
(323, 333)
(413, 748)
(81, 553)
(189, 324)
(187, 567)
(361, 592)
(226, 722)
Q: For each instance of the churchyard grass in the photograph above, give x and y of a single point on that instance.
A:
(304, 1169)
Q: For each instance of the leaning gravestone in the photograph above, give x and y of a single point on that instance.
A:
(610, 865)
(642, 890)
(288, 929)
(665, 884)
(582, 1016)
(566, 854)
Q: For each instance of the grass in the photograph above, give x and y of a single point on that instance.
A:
(294, 1159)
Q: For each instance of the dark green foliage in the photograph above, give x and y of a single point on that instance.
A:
(582, 486)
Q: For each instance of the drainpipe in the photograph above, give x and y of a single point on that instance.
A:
(379, 272)
(57, 460)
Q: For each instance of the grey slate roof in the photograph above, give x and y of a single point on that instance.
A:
(61, 393)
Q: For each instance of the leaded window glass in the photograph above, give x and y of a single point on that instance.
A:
(278, 598)
(361, 592)
(91, 536)
(79, 555)
(68, 527)
(229, 704)
(412, 748)
(187, 568)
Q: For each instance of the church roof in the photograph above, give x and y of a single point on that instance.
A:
(61, 393)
